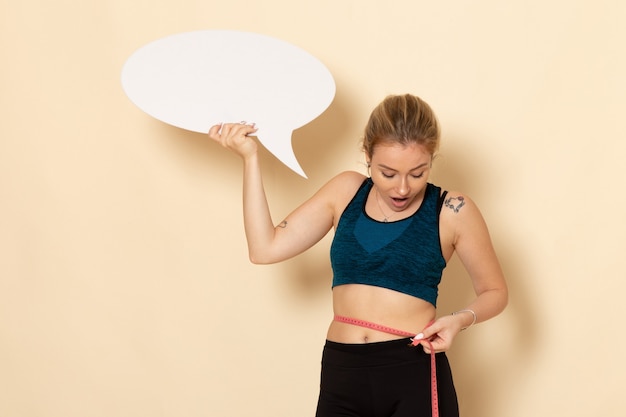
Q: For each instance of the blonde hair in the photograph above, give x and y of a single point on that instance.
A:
(403, 119)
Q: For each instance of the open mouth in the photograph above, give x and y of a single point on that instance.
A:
(399, 202)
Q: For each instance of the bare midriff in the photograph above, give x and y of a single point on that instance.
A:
(377, 305)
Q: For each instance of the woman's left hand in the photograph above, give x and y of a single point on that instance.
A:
(440, 334)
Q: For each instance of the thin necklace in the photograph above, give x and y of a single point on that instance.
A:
(386, 220)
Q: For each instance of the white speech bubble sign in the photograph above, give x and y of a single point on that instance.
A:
(195, 80)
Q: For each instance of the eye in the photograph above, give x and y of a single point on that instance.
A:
(387, 175)
(418, 176)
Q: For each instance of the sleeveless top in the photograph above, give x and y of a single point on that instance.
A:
(404, 255)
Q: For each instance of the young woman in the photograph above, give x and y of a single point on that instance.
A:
(394, 233)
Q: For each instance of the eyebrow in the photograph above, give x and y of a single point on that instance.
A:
(412, 169)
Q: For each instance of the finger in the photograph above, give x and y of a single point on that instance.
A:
(430, 331)
(251, 129)
(214, 132)
(433, 347)
(235, 128)
(226, 128)
(239, 130)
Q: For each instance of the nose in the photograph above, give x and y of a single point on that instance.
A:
(403, 187)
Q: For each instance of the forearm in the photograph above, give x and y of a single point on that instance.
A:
(485, 306)
(258, 224)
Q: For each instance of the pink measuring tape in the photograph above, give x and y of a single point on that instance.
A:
(414, 342)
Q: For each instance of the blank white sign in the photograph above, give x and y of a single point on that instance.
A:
(195, 80)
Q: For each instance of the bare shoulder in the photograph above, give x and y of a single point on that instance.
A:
(340, 189)
(461, 218)
(459, 207)
(343, 185)
(346, 181)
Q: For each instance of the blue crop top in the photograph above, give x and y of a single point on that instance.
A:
(404, 255)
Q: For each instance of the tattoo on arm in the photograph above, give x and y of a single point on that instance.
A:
(455, 203)
(282, 224)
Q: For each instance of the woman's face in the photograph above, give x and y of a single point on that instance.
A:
(400, 174)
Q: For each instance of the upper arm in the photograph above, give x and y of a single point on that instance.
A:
(472, 244)
(313, 219)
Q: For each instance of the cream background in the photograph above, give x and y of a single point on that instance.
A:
(125, 288)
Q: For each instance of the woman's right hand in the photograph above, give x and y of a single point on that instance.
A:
(236, 137)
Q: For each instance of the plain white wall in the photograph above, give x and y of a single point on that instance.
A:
(125, 288)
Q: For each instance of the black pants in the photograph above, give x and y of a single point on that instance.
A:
(385, 379)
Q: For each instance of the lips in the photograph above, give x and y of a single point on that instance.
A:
(399, 203)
